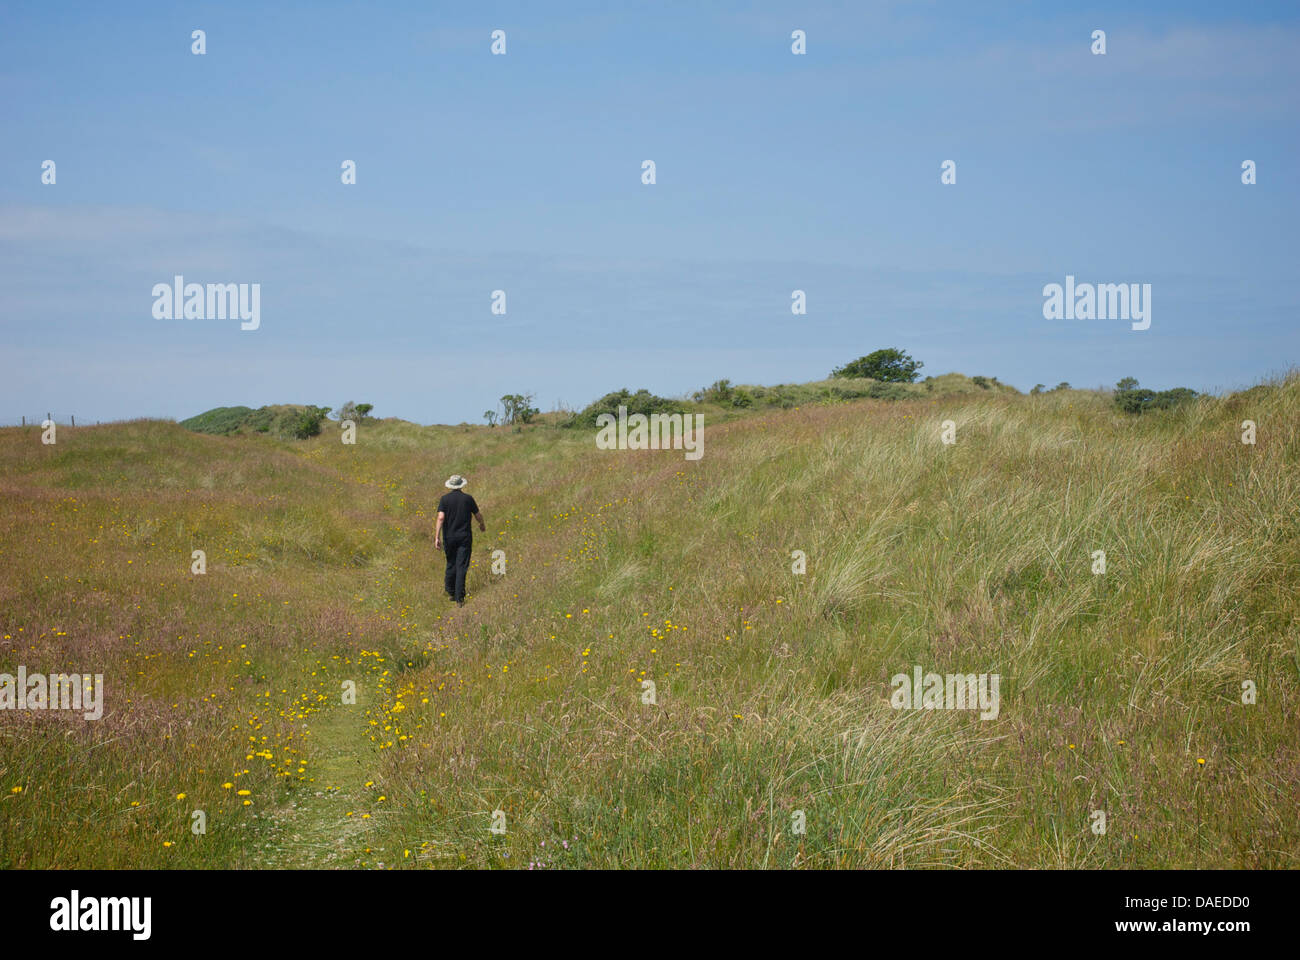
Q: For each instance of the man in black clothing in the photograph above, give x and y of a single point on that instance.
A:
(454, 512)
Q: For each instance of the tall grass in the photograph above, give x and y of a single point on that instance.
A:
(771, 688)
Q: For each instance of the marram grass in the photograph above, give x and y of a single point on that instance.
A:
(1121, 692)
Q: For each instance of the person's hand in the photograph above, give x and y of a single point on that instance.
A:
(437, 543)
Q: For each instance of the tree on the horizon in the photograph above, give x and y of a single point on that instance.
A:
(353, 411)
(518, 408)
(889, 366)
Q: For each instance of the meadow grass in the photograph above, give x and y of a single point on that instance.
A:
(1120, 692)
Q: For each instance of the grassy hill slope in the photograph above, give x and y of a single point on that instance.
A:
(771, 688)
(278, 420)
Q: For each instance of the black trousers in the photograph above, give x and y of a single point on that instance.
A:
(458, 552)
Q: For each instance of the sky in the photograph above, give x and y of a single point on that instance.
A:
(523, 172)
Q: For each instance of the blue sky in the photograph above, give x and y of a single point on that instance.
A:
(523, 173)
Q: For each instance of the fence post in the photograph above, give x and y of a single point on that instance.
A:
(74, 421)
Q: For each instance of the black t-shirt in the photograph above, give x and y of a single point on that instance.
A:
(459, 507)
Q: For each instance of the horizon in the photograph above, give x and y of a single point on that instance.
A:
(1272, 379)
(775, 172)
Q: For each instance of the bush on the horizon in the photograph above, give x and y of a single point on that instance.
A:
(643, 401)
(889, 365)
(1131, 398)
(724, 393)
(218, 420)
(356, 412)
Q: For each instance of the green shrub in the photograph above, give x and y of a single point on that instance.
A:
(218, 420)
(1131, 398)
(643, 401)
(262, 419)
(888, 391)
(356, 412)
(888, 365)
(719, 392)
(308, 422)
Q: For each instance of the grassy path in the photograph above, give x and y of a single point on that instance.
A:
(323, 826)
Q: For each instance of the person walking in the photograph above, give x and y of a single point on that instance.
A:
(454, 512)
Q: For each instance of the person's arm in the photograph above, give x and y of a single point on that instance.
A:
(481, 525)
(437, 531)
